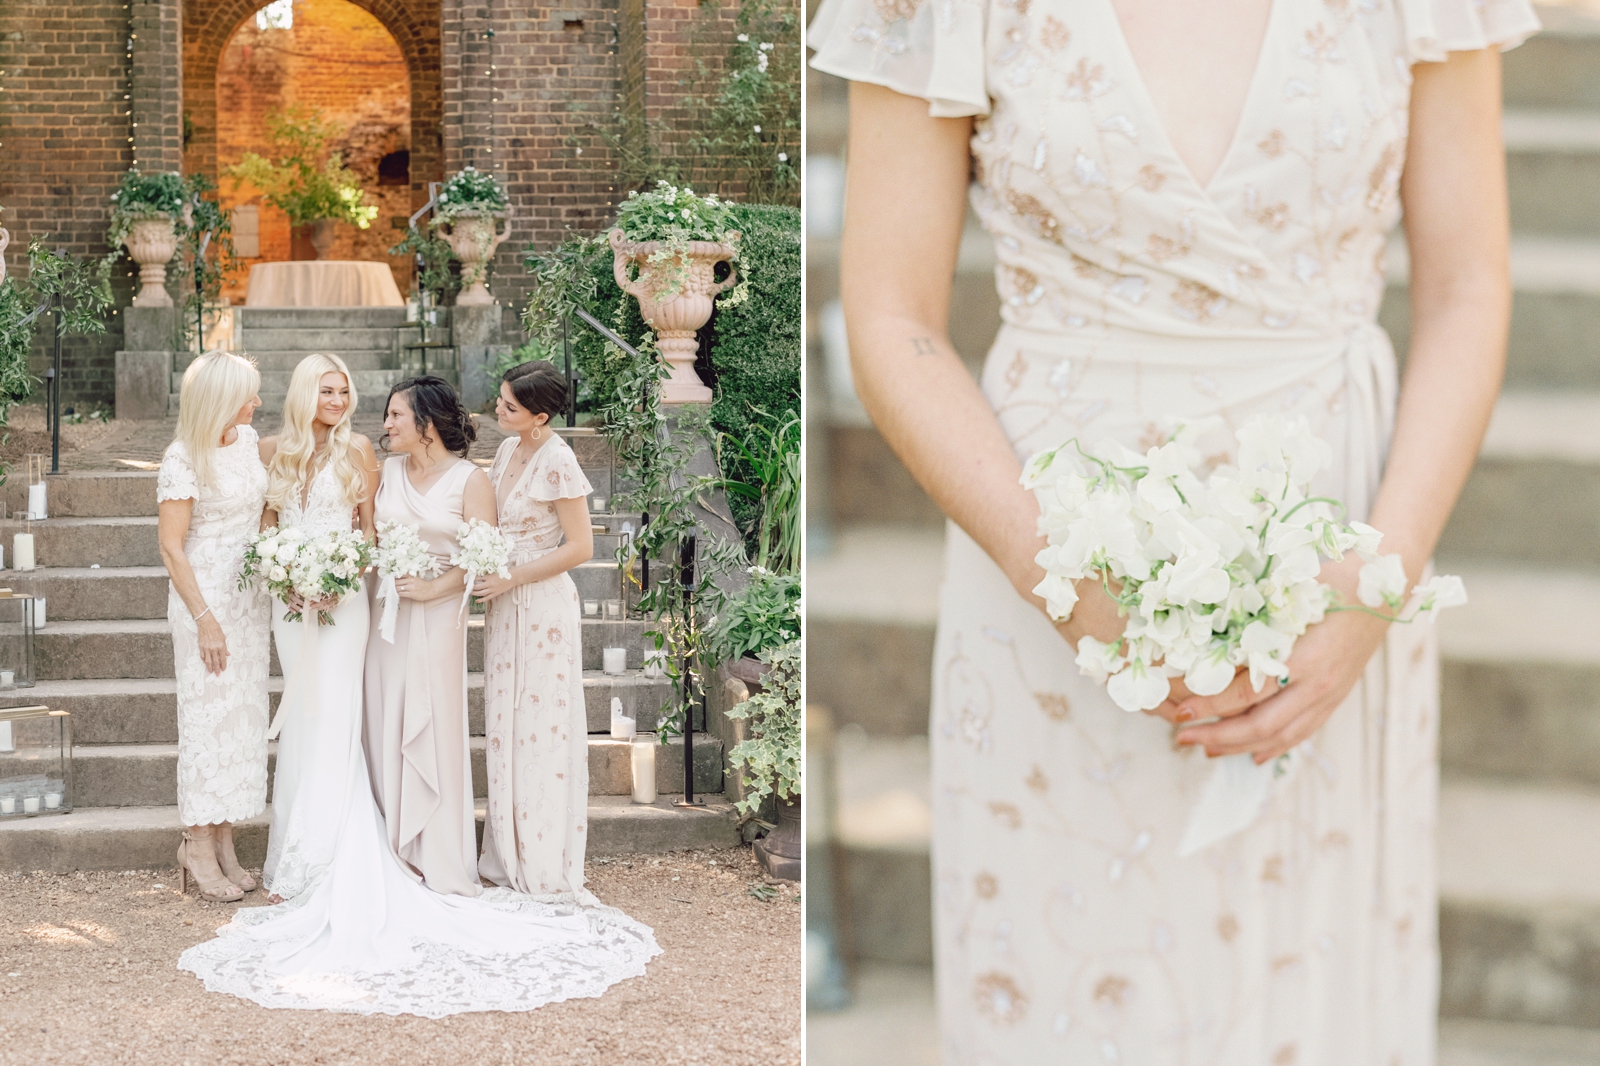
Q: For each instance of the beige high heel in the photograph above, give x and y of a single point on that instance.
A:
(220, 890)
(238, 874)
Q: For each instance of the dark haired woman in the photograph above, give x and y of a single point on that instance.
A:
(538, 757)
(417, 685)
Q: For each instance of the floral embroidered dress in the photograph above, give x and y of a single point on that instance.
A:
(222, 718)
(534, 717)
(1067, 928)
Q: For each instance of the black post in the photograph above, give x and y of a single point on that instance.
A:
(572, 388)
(55, 395)
(686, 576)
(644, 556)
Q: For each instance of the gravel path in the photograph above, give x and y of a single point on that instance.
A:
(88, 976)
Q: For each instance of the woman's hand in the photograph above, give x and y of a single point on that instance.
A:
(491, 585)
(1325, 665)
(213, 644)
(1096, 615)
(411, 587)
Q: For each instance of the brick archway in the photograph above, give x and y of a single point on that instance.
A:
(208, 25)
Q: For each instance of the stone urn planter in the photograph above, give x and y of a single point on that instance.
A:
(473, 240)
(675, 297)
(780, 851)
(751, 671)
(151, 243)
(323, 232)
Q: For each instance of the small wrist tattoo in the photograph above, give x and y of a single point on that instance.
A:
(923, 346)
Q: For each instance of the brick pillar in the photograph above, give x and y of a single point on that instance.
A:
(157, 28)
(467, 58)
(631, 66)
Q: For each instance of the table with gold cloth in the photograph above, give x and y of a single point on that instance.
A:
(322, 283)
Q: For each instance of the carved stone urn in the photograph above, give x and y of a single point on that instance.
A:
(323, 232)
(675, 295)
(473, 239)
(151, 243)
(5, 242)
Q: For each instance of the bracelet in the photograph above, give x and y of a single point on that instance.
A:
(202, 614)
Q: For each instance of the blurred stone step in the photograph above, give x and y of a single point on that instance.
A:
(83, 542)
(322, 317)
(142, 647)
(91, 494)
(145, 775)
(336, 339)
(1552, 162)
(284, 361)
(130, 838)
(275, 384)
(1556, 67)
(145, 710)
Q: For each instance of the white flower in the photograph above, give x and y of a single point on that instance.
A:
(757, 129)
(783, 157)
(1439, 592)
(1366, 540)
(278, 573)
(1382, 582)
(1265, 647)
(761, 62)
(742, 38)
(1099, 661)
(1138, 688)
(1060, 595)
(766, 46)
(1211, 672)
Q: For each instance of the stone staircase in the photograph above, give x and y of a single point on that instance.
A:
(105, 655)
(1520, 800)
(370, 340)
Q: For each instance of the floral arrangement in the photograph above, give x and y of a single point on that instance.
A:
(401, 552)
(303, 180)
(674, 217)
(288, 561)
(154, 194)
(470, 192)
(1214, 575)
(484, 550)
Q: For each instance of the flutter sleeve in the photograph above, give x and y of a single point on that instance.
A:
(559, 476)
(1435, 28)
(933, 49)
(176, 480)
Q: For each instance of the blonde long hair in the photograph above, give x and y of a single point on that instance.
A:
(216, 385)
(290, 468)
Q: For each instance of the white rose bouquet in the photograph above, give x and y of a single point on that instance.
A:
(1214, 574)
(401, 552)
(484, 550)
(291, 563)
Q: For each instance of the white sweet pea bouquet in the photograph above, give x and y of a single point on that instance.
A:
(1215, 573)
(289, 561)
(484, 550)
(401, 552)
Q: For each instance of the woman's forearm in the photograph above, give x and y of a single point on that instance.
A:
(183, 580)
(558, 562)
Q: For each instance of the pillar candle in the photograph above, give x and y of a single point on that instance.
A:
(7, 743)
(644, 768)
(8, 805)
(22, 551)
(36, 501)
(36, 605)
(616, 660)
(622, 727)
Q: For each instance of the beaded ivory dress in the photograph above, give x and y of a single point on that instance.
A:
(222, 718)
(1067, 929)
(359, 933)
(538, 732)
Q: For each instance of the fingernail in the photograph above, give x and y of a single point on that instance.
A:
(1185, 714)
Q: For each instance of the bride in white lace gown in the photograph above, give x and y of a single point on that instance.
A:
(358, 932)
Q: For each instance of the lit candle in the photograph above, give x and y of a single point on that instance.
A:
(36, 501)
(30, 804)
(622, 727)
(7, 743)
(598, 503)
(655, 662)
(644, 768)
(52, 801)
(8, 805)
(613, 610)
(22, 551)
(616, 660)
(591, 608)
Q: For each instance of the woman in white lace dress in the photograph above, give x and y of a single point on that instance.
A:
(209, 494)
(357, 931)
(534, 716)
(1189, 204)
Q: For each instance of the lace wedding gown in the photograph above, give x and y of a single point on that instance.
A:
(358, 932)
(1067, 927)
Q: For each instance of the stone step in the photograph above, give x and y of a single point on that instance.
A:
(1555, 68)
(325, 317)
(142, 647)
(128, 838)
(84, 542)
(1552, 160)
(145, 710)
(90, 494)
(1520, 671)
(77, 592)
(378, 358)
(1519, 883)
(337, 339)
(145, 775)
(275, 384)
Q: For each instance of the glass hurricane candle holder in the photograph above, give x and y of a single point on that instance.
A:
(36, 764)
(18, 613)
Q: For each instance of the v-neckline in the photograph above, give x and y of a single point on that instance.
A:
(427, 492)
(1148, 102)
(523, 474)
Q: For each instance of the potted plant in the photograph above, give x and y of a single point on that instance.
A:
(149, 212)
(313, 187)
(468, 205)
(675, 240)
(770, 759)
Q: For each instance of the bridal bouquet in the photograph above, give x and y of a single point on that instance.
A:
(401, 552)
(484, 550)
(289, 561)
(1215, 574)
